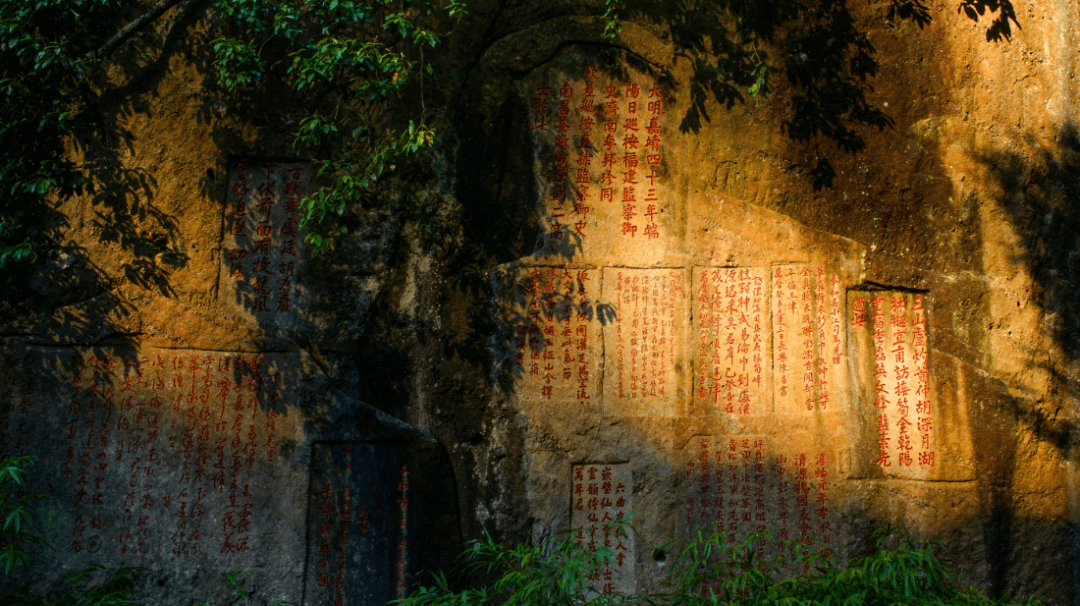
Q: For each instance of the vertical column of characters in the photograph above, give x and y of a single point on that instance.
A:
(629, 148)
(329, 537)
(16, 395)
(551, 378)
(76, 460)
(528, 339)
(821, 325)
(190, 509)
(270, 417)
(586, 150)
(632, 303)
(130, 428)
(900, 355)
(760, 519)
(824, 526)
(565, 318)
(585, 517)
(291, 242)
(136, 394)
(804, 312)
(746, 505)
(244, 444)
(117, 400)
(230, 418)
(560, 189)
(622, 291)
(401, 587)
(647, 336)
(98, 397)
(662, 306)
(263, 239)
(236, 256)
(782, 339)
(924, 407)
(700, 506)
(784, 499)
(670, 292)
(581, 337)
(752, 336)
(9, 390)
(609, 112)
(882, 380)
(802, 498)
(653, 154)
(735, 485)
(708, 361)
(836, 351)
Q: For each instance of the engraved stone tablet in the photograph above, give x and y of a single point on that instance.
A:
(603, 178)
(557, 341)
(602, 495)
(745, 484)
(161, 458)
(890, 341)
(263, 246)
(732, 371)
(644, 369)
(809, 366)
(358, 525)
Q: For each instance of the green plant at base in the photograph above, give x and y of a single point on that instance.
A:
(709, 571)
(16, 512)
(555, 573)
(81, 589)
(91, 586)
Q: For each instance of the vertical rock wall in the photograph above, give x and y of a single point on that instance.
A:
(845, 306)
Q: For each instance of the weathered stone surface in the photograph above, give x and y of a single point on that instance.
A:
(707, 266)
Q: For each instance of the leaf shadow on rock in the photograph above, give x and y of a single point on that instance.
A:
(820, 59)
(1034, 183)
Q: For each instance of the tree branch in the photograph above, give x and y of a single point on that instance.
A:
(132, 28)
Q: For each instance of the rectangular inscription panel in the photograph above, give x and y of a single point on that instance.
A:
(753, 483)
(601, 496)
(644, 369)
(556, 340)
(601, 166)
(156, 457)
(263, 247)
(358, 523)
(889, 333)
(809, 364)
(732, 371)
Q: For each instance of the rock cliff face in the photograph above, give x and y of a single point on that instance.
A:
(848, 305)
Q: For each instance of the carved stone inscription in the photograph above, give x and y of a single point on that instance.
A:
(606, 145)
(602, 496)
(155, 454)
(358, 525)
(263, 245)
(643, 367)
(733, 351)
(746, 484)
(889, 329)
(557, 339)
(809, 370)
